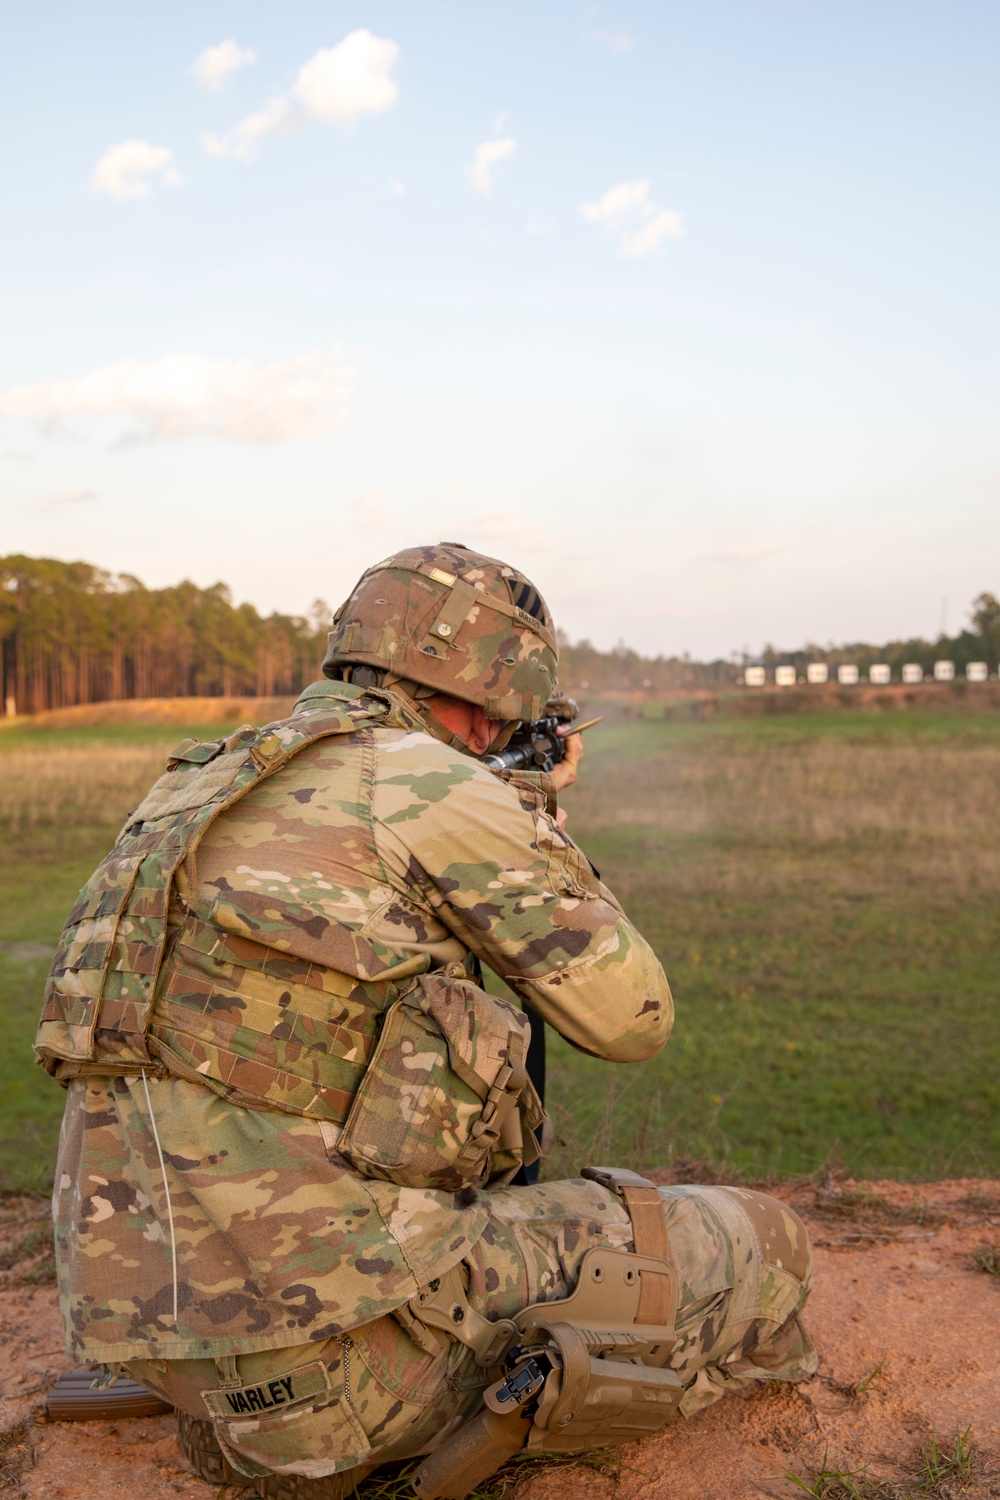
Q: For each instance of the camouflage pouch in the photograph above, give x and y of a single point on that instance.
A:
(445, 1101)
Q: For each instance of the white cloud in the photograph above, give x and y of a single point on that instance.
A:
(276, 116)
(216, 63)
(487, 156)
(340, 83)
(628, 206)
(186, 395)
(14, 456)
(63, 498)
(396, 188)
(336, 85)
(666, 225)
(122, 169)
(618, 203)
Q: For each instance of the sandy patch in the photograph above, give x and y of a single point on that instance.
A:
(896, 1285)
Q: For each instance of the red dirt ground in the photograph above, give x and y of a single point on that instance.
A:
(895, 1283)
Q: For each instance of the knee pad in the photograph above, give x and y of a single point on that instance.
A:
(783, 1237)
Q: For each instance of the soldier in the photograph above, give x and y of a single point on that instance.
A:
(293, 1110)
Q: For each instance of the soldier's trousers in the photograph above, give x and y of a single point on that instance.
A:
(742, 1261)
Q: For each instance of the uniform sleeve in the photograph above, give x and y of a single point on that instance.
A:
(516, 890)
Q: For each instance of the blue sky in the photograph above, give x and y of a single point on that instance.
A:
(689, 310)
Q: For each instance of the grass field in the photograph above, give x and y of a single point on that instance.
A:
(823, 893)
(821, 888)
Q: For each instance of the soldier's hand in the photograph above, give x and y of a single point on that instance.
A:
(564, 774)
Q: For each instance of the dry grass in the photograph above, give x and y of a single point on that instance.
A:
(898, 799)
(823, 895)
(860, 1205)
(51, 780)
(27, 1252)
(941, 1471)
(17, 1455)
(146, 711)
(66, 785)
(923, 804)
(392, 1482)
(987, 1260)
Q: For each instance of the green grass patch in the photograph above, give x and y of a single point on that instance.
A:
(64, 793)
(37, 888)
(986, 1258)
(822, 890)
(823, 899)
(806, 1023)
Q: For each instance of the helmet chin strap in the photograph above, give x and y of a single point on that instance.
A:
(414, 696)
(503, 736)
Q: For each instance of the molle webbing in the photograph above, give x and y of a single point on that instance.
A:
(372, 640)
(491, 600)
(262, 1027)
(451, 616)
(99, 1001)
(105, 968)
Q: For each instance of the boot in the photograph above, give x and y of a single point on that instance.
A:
(202, 1451)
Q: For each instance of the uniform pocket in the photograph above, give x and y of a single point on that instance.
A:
(294, 1424)
(446, 1090)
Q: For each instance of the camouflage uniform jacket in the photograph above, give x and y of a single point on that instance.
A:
(189, 1226)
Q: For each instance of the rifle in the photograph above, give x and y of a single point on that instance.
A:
(538, 746)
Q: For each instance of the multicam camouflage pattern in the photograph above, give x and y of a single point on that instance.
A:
(305, 900)
(107, 966)
(273, 1242)
(455, 621)
(743, 1269)
(446, 1100)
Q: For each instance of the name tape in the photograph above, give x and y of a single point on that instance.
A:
(269, 1395)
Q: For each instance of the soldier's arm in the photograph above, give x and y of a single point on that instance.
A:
(492, 864)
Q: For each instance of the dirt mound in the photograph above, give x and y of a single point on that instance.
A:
(932, 697)
(700, 704)
(678, 703)
(166, 711)
(905, 1313)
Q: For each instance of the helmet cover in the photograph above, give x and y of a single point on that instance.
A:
(454, 621)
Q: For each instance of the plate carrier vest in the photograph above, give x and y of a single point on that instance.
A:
(144, 981)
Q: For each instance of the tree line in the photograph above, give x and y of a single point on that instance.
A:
(979, 641)
(73, 633)
(583, 666)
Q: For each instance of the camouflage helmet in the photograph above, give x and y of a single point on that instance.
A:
(453, 621)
